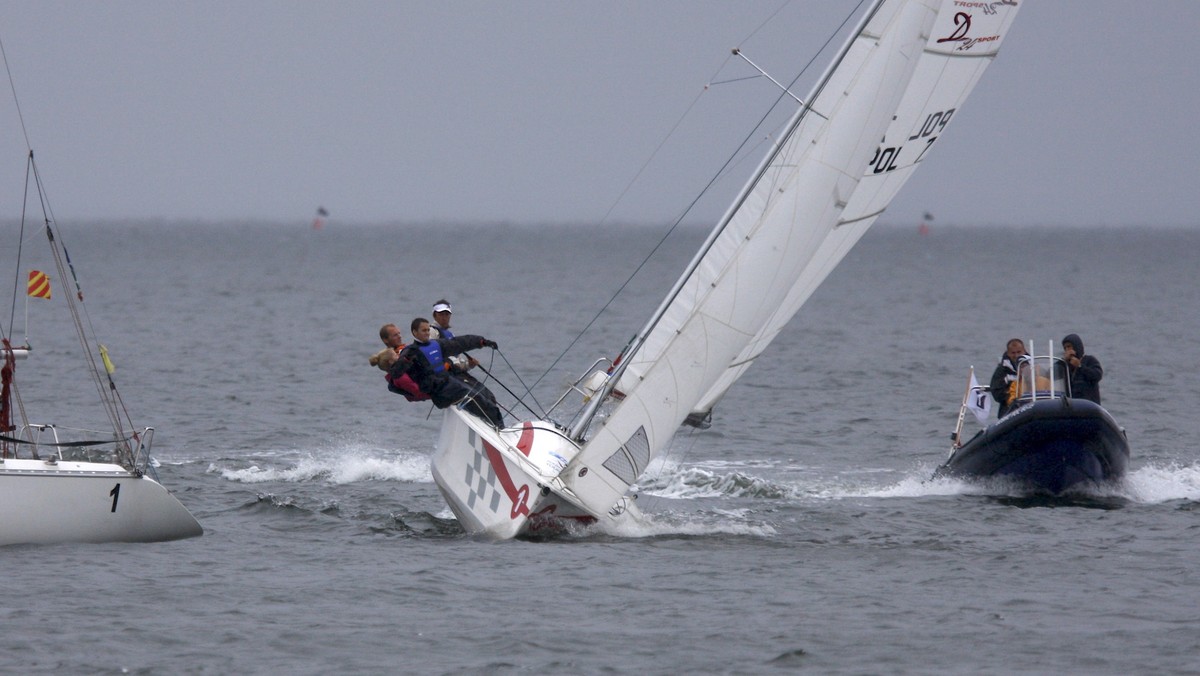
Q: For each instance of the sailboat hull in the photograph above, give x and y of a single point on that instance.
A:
(86, 502)
(504, 483)
(832, 169)
(1050, 446)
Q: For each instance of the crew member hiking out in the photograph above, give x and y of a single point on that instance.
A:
(424, 360)
(385, 358)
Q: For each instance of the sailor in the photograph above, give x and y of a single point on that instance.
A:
(424, 360)
(1005, 375)
(393, 342)
(441, 320)
(440, 328)
(1085, 370)
(385, 358)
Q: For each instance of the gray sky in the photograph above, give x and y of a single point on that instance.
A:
(546, 111)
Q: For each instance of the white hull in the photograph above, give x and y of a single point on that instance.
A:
(505, 484)
(86, 502)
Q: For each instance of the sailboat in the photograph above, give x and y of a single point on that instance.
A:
(871, 119)
(61, 484)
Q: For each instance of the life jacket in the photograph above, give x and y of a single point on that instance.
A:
(433, 352)
(459, 362)
(406, 386)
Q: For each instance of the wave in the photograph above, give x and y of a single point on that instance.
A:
(693, 482)
(710, 522)
(1155, 484)
(292, 513)
(336, 469)
(1150, 484)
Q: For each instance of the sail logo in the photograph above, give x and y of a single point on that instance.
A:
(987, 7)
(961, 34)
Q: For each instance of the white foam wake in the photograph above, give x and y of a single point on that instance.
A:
(337, 469)
(1163, 483)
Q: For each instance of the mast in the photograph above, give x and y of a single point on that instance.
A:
(584, 421)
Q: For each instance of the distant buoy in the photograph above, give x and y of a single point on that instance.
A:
(319, 219)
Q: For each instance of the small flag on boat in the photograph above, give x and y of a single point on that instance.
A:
(978, 401)
(108, 365)
(39, 284)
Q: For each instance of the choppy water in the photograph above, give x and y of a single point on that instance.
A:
(800, 532)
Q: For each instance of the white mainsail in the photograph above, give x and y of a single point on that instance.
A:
(948, 70)
(882, 104)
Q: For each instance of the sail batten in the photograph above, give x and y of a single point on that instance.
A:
(852, 221)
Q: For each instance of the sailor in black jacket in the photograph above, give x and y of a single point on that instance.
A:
(1005, 374)
(424, 361)
(1085, 370)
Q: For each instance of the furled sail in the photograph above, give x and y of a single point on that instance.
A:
(803, 209)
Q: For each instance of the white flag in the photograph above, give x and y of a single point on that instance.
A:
(979, 401)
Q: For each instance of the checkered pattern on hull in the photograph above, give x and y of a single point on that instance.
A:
(481, 483)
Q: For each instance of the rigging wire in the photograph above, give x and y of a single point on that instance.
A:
(686, 113)
(491, 376)
(528, 389)
(727, 166)
(637, 175)
(110, 399)
(784, 95)
(13, 86)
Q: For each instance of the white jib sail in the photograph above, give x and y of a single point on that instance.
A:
(951, 65)
(809, 202)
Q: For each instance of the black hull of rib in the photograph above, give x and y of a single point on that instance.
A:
(1051, 446)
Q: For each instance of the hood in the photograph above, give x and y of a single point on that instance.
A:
(1075, 342)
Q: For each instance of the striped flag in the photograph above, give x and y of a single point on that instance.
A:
(39, 284)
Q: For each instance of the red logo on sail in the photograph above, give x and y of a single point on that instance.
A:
(962, 30)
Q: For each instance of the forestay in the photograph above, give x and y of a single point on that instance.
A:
(882, 104)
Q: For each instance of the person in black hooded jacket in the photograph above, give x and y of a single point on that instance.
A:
(1084, 369)
(424, 360)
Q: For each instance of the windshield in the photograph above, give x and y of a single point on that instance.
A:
(1042, 378)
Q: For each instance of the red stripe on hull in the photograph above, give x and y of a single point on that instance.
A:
(525, 443)
(518, 496)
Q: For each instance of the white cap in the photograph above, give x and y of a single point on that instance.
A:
(442, 307)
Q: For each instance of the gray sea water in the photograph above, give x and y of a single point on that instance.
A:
(800, 533)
